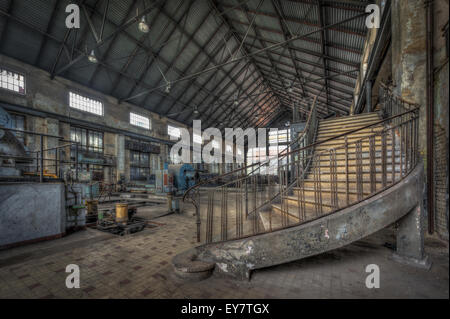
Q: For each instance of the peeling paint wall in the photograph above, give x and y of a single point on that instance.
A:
(409, 57)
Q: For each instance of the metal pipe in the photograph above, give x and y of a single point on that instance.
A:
(430, 117)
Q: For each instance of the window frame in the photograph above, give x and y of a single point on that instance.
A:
(89, 97)
(175, 127)
(88, 148)
(3, 68)
(144, 117)
(145, 165)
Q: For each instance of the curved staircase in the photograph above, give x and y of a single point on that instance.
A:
(341, 180)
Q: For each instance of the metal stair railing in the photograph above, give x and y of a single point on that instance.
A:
(308, 184)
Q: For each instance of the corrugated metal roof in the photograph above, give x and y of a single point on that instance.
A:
(188, 37)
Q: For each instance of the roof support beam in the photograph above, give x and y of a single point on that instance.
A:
(49, 26)
(306, 51)
(319, 75)
(287, 33)
(323, 44)
(155, 56)
(300, 61)
(302, 22)
(6, 23)
(276, 45)
(109, 37)
(108, 50)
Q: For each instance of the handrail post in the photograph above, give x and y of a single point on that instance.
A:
(56, 163)
(41, 172)
(198, 222)
(76, 161)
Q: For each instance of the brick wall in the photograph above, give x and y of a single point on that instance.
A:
(440, 181)
(441, 120)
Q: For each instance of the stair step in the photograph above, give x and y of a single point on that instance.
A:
(340, 155)
(342, 184)
(351, 118)
(365, 146)
(273, 220)
(352, 163)
(348, 125)
(326, 201)
(331, 133)
(365, 171)
(341, 191)
(350, 139)
(293, 212)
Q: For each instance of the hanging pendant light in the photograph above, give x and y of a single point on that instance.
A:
(143, 26)
(168, 87)
(92, 58)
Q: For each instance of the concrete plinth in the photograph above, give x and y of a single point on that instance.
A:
(410, 240)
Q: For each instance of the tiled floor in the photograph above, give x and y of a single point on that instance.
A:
(139, 266)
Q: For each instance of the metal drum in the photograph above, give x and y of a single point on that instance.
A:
(121, 213)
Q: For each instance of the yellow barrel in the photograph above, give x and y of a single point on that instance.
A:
(121, 213)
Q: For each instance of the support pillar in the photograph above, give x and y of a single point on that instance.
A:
(410, 240)
(410, 234)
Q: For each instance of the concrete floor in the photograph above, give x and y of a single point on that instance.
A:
(139, 266)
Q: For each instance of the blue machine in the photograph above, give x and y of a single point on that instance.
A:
(183, 176)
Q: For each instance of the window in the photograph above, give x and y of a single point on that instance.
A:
(18, 123)
(256, 155)
(12, 81)
(173, 131)
(139, 120)
(90, 141)
(139, 166)
(143, 159)
(275, 158)
(279, 137)
(85, 104)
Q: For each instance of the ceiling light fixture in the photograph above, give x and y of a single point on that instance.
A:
(290, 90)
(168, 87)
(196, 112)
(143, 26)
(92, 58)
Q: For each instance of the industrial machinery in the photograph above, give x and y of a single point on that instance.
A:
(121, 220)
(163, 180)
(183, 177)
(13, 152)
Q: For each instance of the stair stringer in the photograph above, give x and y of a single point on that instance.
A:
(238, 258)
